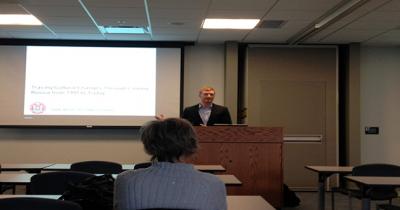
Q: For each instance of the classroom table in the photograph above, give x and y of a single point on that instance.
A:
(28, 167)
(234, 202)
(205, 168)
(366, 182)
(323, 173)
(67, 166)
(24, 179)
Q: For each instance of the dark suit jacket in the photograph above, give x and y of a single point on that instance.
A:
(219, 115)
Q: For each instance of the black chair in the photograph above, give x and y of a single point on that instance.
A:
(97, 167)
(387, 207)
(374, 193)
(55, 183)
(165, 209)
(5, 187)
(142, 165)
(36, 204)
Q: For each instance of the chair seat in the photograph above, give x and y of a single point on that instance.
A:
(387, 207)
(375, 194)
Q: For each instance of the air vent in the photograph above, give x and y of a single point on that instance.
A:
(272, 24)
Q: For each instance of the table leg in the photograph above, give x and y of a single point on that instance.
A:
(321, 191)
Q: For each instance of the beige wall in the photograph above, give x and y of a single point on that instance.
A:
(380, 102)
(204, 64)
(70, 145)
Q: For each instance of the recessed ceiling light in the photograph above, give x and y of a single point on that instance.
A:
(15, 19)
(230, 23)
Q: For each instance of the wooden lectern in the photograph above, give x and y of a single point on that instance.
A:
(252, 154)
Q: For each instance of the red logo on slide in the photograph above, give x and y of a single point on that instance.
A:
(37, 108)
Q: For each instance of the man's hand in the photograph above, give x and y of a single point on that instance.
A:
(160, 117)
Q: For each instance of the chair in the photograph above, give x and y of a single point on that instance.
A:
(142, 165)
(97, 167)
(55, 183)
(26, 203)
(4, 187)
(164, 209)
(375, 193)
(387, 207)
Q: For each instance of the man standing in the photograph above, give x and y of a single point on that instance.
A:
(206, 112)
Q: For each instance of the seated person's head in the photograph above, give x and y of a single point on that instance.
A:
(169, 140)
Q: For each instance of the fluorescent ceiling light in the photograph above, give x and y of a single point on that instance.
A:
(230, 23)
(337, 13)
(123, 30)
(14, 19)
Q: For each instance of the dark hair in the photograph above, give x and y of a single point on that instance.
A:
(169, 139)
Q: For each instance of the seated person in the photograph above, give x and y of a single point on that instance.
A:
(169, 182)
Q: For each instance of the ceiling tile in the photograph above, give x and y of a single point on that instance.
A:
(67, 21)
(365, 25)
(179, 4)
(306, 5)
(114, 12)
(175, 30)
(32, 35)
(250, 14)
(393, 6)
(222, 35)
(48, 2)
(186, 37)
(114, 3)
(57, 11)
(293, 15)
(240, 4)
(75, 29)
(349, 36)
(80, 36)
(383, 16)
(177, 13)
(20, 28)
(169, 22)
(11, 9)
(389, 38)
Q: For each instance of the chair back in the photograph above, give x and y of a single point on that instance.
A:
(55, 183)
(376, 169)
(165, 209)
(97, 167)
(142, 165)
(27, 203)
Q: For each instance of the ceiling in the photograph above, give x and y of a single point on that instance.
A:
(375, 22)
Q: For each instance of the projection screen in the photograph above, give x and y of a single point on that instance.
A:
(88, 86)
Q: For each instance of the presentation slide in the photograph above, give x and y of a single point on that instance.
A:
(90, 81)
(88, 86)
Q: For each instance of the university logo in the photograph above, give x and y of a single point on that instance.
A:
(37, 108)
